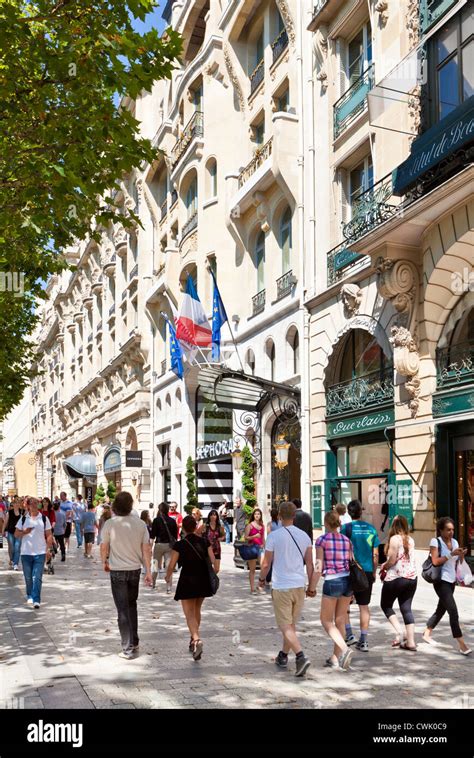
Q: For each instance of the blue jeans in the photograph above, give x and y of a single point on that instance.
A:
(33, 572)
(338, 587)
(15, 545)
(77, 524)
(228, 532)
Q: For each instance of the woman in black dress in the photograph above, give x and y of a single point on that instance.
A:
(193, 584)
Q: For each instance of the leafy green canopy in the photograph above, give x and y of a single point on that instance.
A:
(63, 142)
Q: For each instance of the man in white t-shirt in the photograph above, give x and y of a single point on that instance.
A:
(289, 551)
(34, 530)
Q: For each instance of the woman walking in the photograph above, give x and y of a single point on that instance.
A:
(197, 516)
(164, 531)
(215, 534)
(194, 584)
(255, 535)
(145, 516)
(333, 553)
(59, 529)
(400, 582)
(446, 553)
(12, 517)
(48, 510)
(104, 516)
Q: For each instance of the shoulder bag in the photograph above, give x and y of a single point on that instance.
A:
(213, 578)
(299, 549)
(171, 540)
(359, 581)
(429, 571)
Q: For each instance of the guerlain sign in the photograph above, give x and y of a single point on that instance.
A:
(360, 424)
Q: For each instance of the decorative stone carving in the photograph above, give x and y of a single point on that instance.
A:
(263, 211)
(234, 79)
(398, 282)
(287, 19)
(351, 296)
(120, 238)
(381, 7)
(320, 49)
(412, 22)
(414, 111)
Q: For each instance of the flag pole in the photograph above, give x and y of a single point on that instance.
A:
(235, 345)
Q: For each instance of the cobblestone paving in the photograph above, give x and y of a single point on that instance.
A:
(65, 654)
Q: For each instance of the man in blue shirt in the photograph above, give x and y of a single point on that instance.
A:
(66, 507)
(365, 542)
(88, 519)
(78, 508)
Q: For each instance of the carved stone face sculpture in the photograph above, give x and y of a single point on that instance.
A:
(351, 296)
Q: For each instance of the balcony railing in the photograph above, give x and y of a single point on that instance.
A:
(455, 365)
(371, 208)
(174, 198)
(353, 102)
(190, 225)
(374, 389)
(285, 284)
(431, 11)
(261, 155)
(164, 210)
(194, 128)
(342, 261)
(279, 44)
(257, 75)
(133, 273)
(258, 303)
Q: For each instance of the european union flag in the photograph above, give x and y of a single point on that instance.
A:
(175, 350)
(219, 317)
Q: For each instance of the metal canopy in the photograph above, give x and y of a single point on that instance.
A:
(80, 466)
(236, 390)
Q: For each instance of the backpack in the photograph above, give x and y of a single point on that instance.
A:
(23, 519)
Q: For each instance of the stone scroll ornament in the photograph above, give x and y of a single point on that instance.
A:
(398, 282)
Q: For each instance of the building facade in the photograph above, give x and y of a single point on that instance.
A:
(391, 307)
(18, 469)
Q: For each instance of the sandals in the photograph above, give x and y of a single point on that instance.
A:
(197, 649)
(396, 643)
(405, 646)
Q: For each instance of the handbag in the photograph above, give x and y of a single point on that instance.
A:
(429, 571)
(213, 578)
(359, 581)
(248, 552)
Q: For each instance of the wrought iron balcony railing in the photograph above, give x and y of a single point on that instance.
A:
(371, 208)
(285, 284)
(133, 273)
(258, 303)
(374, 389)
(164, 209)
(257, 75)
(455, 365)
(353, 101)
(431, 11)
(261, 155)
(190, 225)
(194, 128)
(279, 44)
(342, 261)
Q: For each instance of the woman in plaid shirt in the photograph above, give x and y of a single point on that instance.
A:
(333, 553)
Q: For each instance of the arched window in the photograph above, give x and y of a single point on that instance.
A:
(296, 353)
(270, 350)
(192, 198)
(212, 178)
(250, 360)
(260, 261)
(285, 240)
(362, 355)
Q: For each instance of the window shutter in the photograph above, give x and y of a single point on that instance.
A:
(342, 181)
(341, 57)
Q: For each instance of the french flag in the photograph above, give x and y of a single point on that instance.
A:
(192, 325)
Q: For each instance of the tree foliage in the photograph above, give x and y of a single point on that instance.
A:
(63, 141)
(111, 491)
(191, 496)
(248, 481)
(99, 496)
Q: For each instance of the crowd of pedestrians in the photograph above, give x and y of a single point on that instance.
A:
(346, 559)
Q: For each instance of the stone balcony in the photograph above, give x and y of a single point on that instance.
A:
(193, 131)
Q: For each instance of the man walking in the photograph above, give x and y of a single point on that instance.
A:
(124, 548)
(174, 513)
(66, 507)
(226, 516)
(78, 508)
(34, 530)
(87, 526)
(365, 542)
(59, 528)
(288, 550)
(240, 519)
(302, 519)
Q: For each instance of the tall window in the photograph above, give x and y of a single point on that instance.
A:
(362, 355)
(191, 198)
(285, 240)
(259, 49)
(296, 353)
(452, 77)
(361, 178)
(271, 359)
(260, 261)
(251, 361)
(212, 178)
(259, 131)
(197, 98)
(359, 53)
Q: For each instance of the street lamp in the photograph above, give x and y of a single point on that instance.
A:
(281, 452)
(237, 458)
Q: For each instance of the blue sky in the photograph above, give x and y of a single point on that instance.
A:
(153, 20)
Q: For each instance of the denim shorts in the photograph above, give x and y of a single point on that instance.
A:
(338, 587)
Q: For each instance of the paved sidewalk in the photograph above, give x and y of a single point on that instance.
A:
(65, 654)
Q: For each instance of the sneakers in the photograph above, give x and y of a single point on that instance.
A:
(281, 660)
(128, 655)
(351, 640)
(302, 665)
(29, 601)
(362, 645)
(345, 660)
(36, 605)
(15, 568)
